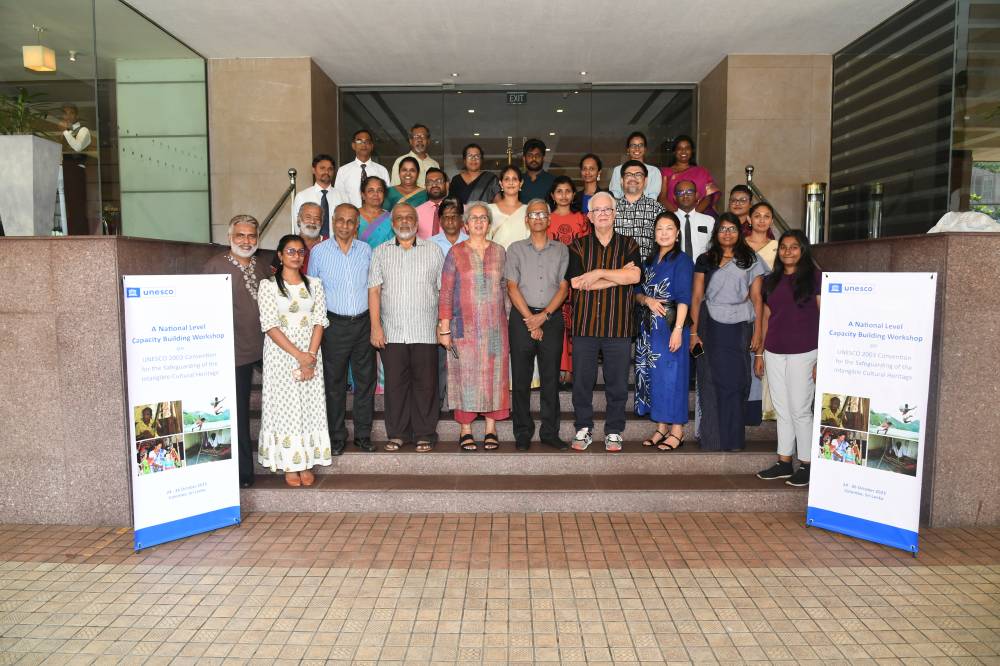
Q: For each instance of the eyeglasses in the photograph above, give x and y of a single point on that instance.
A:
(362, 142)
(636, 145)
(739, 200)
(478, 218)
(474, 158)
(420, 136)
(685, 193)
(728, 230)
(602, 211)
(291, 251)
(634, 175)
(434, 181)
(538, 215)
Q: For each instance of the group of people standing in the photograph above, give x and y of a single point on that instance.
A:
(469, 292)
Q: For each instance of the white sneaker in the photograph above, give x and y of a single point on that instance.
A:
(613, 443)
(582, 440)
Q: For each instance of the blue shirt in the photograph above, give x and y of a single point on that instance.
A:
(344, 276)
(445, 244)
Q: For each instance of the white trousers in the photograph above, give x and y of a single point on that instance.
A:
(789, 378)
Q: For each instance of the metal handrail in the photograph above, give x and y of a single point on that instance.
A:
(290, 190)
(779, 221)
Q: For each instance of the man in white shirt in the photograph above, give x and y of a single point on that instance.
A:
(321, 193)
(420, 138)
(350, 176)
(635, 146)
(696, 228)
(76, 135)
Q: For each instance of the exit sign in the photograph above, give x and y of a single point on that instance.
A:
(517, 98)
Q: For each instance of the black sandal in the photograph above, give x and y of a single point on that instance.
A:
(490, 441)
(662, 446)
(654, 440)
(467, 442)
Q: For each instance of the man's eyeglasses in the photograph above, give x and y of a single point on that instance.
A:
(474, 158)
(634, 175)
(602, 211)
(538, 215)
(685, 193)
(291, 252)
(362, 142)
(434, 181)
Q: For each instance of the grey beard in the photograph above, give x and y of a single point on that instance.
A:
(240, 252)
(309, 230)
(405, 235)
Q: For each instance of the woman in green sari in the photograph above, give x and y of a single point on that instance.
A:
(407, 190)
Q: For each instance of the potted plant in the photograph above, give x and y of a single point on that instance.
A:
(29, 166)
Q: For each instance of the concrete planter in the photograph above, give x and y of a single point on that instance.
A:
(29, 171)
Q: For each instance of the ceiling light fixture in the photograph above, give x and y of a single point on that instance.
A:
(559, 110)
(583, 73)
(472, 110)
(72, 56)
(36, 57)
(552, 133)
(475, 134)
(454, 75)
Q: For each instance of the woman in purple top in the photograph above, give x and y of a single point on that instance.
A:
(791, 334)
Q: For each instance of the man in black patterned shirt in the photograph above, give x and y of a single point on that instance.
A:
(635, 213)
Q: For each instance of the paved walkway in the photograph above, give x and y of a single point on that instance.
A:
(539, 588)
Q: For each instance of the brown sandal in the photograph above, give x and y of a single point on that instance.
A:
(394, 445)
(424, 446)
(293, 479)
(307, 478)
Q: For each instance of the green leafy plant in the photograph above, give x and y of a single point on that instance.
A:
(22, 112)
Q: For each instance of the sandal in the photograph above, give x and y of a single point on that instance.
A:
(663, 446)
(424, 446)
(467, 442)
(490, 441)
(292, 479)
(394, 445)
(307, 478)
(654, 440)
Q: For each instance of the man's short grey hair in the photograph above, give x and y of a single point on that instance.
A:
(298, 216)
(537, 200)
(243, 219)
(477, 204)
(400, 205)
(602, 193)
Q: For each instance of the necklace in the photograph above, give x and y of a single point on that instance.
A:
(249, 273)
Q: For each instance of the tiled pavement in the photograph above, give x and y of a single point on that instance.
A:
(537, 588)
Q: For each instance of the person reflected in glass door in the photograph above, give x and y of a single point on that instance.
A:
(472, 183)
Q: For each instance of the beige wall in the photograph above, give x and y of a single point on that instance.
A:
(777, 118)
(262, 121)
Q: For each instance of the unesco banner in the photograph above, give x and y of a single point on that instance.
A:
(181, 401)
(870, 421)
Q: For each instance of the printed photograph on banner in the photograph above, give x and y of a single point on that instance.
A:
(208, 446)
(894, 419)
(159, 455)
(209, 413)
(893, 454)
(157, 419)
(846, 446)
(844, 411)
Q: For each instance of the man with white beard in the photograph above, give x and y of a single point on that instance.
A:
(310, 222)
(404, 279)
(321, 192)
(245, 274)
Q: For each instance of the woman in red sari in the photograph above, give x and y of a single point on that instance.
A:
(566, 225)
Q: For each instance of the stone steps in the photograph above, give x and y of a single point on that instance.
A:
(540, 460)
(439, 493)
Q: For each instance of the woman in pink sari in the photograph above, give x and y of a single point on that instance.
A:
(685, 168)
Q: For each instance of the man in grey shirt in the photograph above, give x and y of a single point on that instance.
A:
(536, 282)
(404, 279)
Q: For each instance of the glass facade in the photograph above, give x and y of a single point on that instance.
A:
(572, 121)
(137, 162)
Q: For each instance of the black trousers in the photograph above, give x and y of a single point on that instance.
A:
(523, 352)
(347, 341)
(244, 447)
(412, 406)
(617, 356)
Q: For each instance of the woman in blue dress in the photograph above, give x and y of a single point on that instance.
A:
(662, 361)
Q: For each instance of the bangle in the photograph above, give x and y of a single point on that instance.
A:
(759, 355)
(444, 332)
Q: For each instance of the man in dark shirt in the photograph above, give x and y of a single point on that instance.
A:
(246, 272)
(537, 181)
(603, 266)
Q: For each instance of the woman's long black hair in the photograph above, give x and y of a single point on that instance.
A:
(743, 254)
(654, 254)
(277, 267)
(804, 278)
(556, 182)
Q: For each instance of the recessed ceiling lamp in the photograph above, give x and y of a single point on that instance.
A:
(475, 134)
(552, 133)
(72, 56)
(583, 73)
(36, 57)
(559, 110)
(472, 110)
(454, 75)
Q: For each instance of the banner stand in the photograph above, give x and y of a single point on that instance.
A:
(870, 411)
(181, 397)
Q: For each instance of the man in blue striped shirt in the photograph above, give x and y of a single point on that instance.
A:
(342, 264)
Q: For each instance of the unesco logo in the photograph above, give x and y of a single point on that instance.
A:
(836, 288)
(135, 292)
(132, 292)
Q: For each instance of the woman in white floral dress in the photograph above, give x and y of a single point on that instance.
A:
(293, 430)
